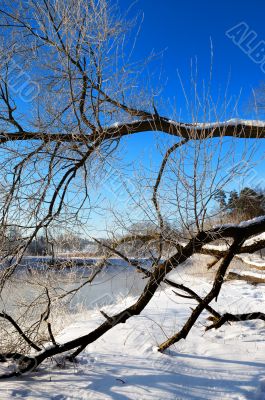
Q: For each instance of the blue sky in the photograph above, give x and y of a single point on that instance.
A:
(185, 29)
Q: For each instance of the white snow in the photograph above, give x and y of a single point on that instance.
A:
(248, 242)
(231, 122)
(255, 260)
(124, 364)
(249, 222)
(116, 124)
(255, 239)
(252, 221)
(220, 247)
(206, 125)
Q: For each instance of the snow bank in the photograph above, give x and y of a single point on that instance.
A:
(223, 364)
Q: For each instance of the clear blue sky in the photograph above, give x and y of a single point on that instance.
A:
(186, 27)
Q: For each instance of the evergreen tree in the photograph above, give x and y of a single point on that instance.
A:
(246, 204)
(220, 197)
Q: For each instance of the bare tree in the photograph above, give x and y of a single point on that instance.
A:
(57, 132)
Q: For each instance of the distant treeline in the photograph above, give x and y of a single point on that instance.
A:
(241, 205)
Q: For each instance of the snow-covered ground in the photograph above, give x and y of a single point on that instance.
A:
(124, 364)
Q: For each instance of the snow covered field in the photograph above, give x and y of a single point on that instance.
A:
(124, 364)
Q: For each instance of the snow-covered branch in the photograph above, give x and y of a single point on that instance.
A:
(234, 128)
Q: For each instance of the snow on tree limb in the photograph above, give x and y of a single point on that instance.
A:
(234, 128)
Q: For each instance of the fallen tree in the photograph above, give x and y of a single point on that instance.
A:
(238, 233)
